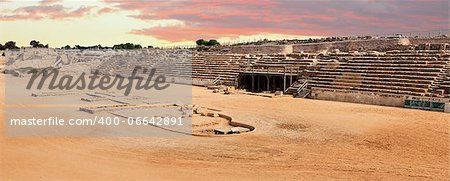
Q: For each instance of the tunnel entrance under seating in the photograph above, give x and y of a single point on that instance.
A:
(265, 82)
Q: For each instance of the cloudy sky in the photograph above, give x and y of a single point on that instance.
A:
(181, 22)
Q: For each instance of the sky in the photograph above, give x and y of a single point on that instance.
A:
(166, 23)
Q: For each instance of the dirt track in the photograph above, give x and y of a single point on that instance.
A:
(294, 139)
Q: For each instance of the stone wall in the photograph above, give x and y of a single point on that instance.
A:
(350, 45)
(366, 45)
(417, 41)
(358, 97)
(256, 49)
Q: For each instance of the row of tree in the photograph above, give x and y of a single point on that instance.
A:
(126, 46)
(119, 46)
(84, 47)
(9, 45)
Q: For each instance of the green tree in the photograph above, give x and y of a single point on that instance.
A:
(34, 43)
(213, 43)
(11, 45)
(37, 44)
(201, 42)
(128, 46)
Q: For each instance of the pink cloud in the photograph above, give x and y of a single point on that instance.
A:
(232, 18)
(354, 16)
(45, 2)
(19, 17)
(178, 33)
(107, 10)
(45, 11)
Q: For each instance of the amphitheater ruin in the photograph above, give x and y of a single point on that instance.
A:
(399, 72)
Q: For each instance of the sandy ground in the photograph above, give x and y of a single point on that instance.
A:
(294, 139)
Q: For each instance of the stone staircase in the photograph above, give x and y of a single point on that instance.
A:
(440, 87)
(299, 89)
(398, 73)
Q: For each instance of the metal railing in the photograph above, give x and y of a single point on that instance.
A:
(302, 87)
(216, 80)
